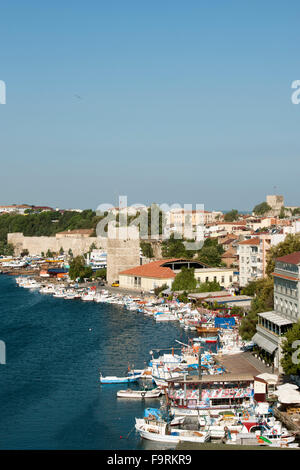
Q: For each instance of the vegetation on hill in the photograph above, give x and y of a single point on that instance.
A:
(262, 208)
(45, 224)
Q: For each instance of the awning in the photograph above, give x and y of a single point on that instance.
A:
(264, 343)
(275, 318)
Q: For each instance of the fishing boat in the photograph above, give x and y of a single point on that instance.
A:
(209, 339)
(141, 394)
(154, 427)
(112, 379)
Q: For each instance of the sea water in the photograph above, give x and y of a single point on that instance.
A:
(50, 394)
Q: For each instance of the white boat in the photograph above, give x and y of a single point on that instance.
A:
(112, 379)
(158, 430)
(141, 394)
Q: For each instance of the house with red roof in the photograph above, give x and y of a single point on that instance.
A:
(157, 273)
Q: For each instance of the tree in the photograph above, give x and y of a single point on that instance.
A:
(25, 252)
(174, 248)
(263, 301)
(159, 289)
(78, 269)
(6, 249)
(282, 213)
(61, 251)
(210, 286)
(290, 244)
(185, 280)
(49, 254)
(247, 327)
(262, 208)
(147, 250)
(92, 247)
(290, 349)
(231, 216)
(101, 273)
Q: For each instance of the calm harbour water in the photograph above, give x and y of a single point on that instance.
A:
(51, 397)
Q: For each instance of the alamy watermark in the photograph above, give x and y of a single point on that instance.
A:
(296, 94)
(295, 355)
(2, 352)
(159, 221)
(2, 92)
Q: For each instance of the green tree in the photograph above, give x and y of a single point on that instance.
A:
(147, 250)
(101, 273)
(282, 213)
(290, 244)
(159, 289)
(291, 352)
(185, 280)
(263, 301)
(6, 249)
(231, 216)
(25, 252)
(210, 286)
(174, 248)
(262, 208)
(78, 269)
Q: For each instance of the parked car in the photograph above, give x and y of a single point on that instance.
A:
(115, 284)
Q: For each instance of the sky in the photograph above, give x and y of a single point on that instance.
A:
(162, 101)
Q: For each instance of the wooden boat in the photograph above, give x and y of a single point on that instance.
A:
(207, 330)
(118, 380)
(141, 394)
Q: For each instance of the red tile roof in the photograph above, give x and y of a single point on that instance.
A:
(251, 241)
(293, 258)
(153, 269)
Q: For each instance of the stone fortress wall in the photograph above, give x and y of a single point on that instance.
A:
(36, 245)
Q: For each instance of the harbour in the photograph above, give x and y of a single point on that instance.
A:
(118, 335)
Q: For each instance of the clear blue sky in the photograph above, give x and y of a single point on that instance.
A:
(164, 100)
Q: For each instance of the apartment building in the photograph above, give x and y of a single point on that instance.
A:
(273, 325)
(250, 260)
(252, 256)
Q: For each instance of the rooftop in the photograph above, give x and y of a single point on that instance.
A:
(293, 258)
(251, 241)
(162, 269)
(275, 318)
